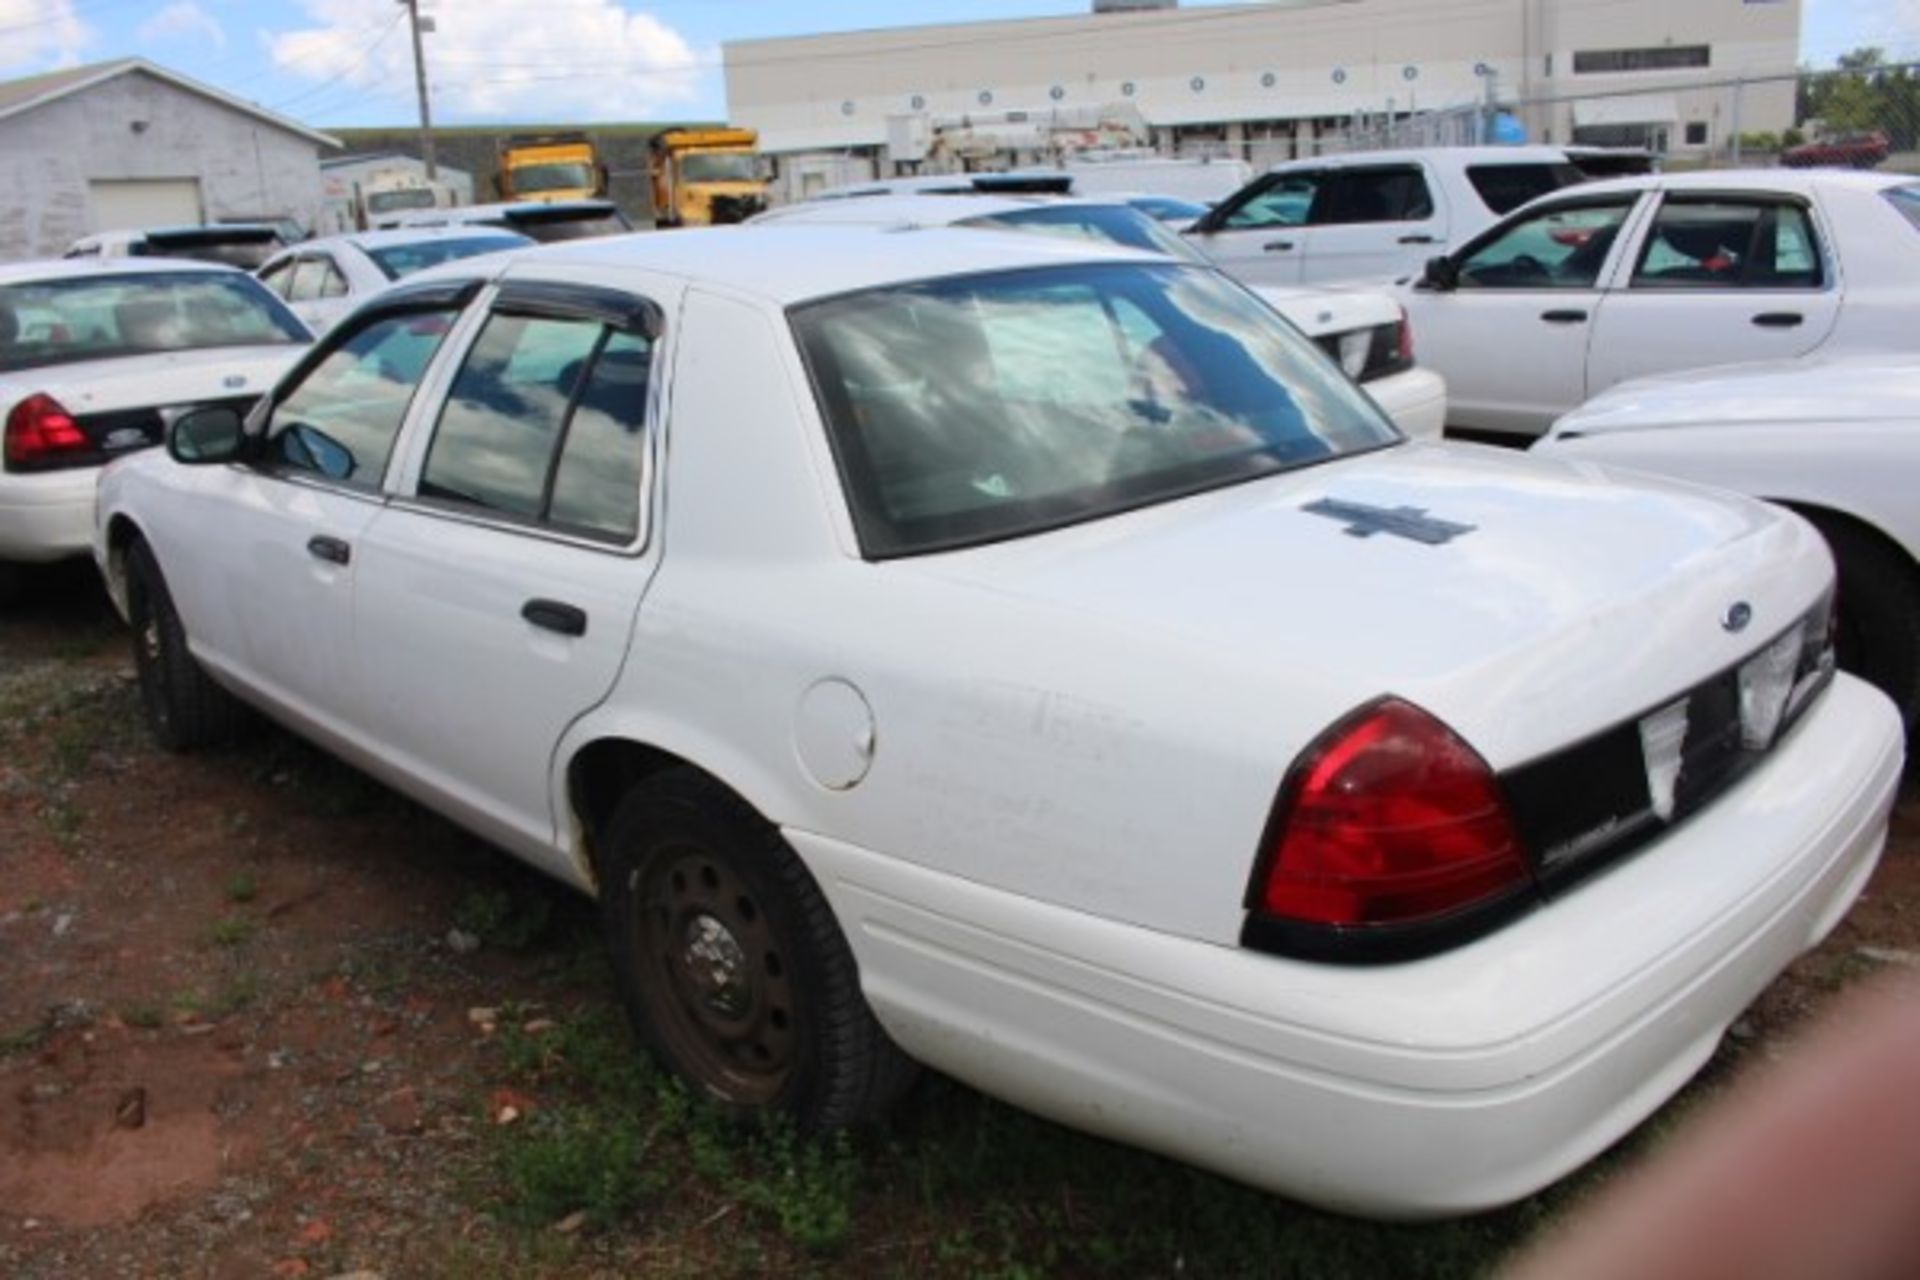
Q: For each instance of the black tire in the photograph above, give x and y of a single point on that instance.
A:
(12, 578)
(1879, 626)
(185, 708)
(732, 967)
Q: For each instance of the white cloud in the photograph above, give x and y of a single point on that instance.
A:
(183, 18)
(557, 60)
(34, 33)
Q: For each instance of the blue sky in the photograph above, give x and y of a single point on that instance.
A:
(343, 62)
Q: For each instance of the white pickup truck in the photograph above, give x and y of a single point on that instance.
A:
(1033, 658)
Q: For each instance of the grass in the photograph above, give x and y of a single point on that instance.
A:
(504, 919)
(232, 931)
(242, 887)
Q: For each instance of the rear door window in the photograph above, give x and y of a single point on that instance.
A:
(1730, 244)
(1393, 194)
(544, 425)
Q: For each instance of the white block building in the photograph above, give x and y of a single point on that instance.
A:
(1285, 78)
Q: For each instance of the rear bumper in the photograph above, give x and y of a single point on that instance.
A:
(1443, 1086)
(1416, 401)
(47, 516)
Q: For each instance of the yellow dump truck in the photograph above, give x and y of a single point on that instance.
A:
(705, 176)
(550, 167)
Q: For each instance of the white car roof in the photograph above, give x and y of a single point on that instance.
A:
(69, 268)
(1444, 155)
(916, 210)
(956, 183)
(1797, 181)
(404, 235)
(791, 264)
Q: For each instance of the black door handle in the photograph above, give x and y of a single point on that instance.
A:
(1278, 246)
(1416, 239)
(1564, 317)
(554, 615)
(332, 550)
(1778, 319)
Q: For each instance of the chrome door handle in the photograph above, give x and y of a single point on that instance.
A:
(332, 550)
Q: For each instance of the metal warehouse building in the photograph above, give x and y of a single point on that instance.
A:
(129, 144)
(1273, 81)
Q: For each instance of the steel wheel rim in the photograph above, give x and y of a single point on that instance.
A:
(715, 978)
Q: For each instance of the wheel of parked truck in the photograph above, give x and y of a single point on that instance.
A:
(1879, 624)
(185, 708)
(732, 967)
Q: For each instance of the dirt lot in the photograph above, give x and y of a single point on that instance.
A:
(260, 1017)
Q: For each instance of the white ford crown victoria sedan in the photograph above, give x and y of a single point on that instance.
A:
(1033, 659)
(95, 355)
(1601, 283)
(1836, 438)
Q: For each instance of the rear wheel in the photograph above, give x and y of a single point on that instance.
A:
(732, 967)
(185, 708)
(11, 578)
(1879, 624)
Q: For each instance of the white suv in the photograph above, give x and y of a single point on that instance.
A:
(1372, 215)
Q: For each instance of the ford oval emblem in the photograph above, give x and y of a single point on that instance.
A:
(1737, 616)
(233, 381)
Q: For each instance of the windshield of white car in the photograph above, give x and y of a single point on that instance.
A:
(1102, 223)
(980, 408)
(1907, 201)
(102, 317)
(397, 260)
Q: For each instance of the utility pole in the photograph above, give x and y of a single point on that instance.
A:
(420, 82)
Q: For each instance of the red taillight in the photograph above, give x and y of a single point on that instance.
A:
(1388, 819)
(1404, 353)
(39, 430)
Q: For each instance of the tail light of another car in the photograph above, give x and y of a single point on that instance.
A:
(1389, 831)
(42, 435)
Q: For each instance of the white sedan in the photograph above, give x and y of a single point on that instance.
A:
(324, 279)
(95, 355)
(1616, 280)
(1033, 658)
(1363, 330)
(1837, 439)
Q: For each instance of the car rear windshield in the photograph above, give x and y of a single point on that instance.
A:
(1505, 187)
(979, 408)
(1907, 201)
(567, 224)
(1102, 223)
(51, 322)
(398, 260)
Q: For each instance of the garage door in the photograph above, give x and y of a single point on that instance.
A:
(120, 204)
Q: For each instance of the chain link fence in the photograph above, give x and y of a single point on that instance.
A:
(1862, 116)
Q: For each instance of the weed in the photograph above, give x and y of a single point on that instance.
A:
(232, 931)
(512, 922)
(576, 1159)
(242, 886)
(144, 1016)
(807, 1187)
(25, 1040)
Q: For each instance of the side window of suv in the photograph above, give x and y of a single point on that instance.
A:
(341, 421)
(544, 424)
(1728, 244)
(1397, 194)
(1283, 201)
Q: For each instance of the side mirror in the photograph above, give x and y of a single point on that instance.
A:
(203, 437)
(1442, 275)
